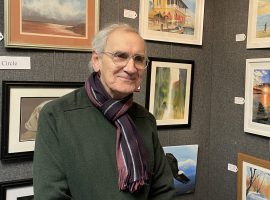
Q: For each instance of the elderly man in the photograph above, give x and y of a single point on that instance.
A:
(96, 143)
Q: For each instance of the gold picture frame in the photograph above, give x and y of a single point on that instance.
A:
(51, 24)
(253, 177)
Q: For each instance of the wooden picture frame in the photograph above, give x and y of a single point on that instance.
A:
(169, 91)
(21, 104)
(258, 33)
(253, 177)
(257, 97)
(51, 24)
(17, 189)
(178, 21)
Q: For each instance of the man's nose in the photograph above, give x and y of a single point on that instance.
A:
(131, 67)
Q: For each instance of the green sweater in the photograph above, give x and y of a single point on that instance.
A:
(75, 154)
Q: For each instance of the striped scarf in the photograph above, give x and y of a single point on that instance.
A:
(132, 163)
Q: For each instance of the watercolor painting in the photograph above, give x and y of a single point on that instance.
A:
(257, 97)
(263, 19)
(253, 178)
(183, 163)
(169, 85)
(178, 21)
(57, 24)
(258, 33)
(261, 96)
(66, 18)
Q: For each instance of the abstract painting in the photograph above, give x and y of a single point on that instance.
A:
(169, 90)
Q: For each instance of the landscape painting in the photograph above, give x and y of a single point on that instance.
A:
(253, 178)
(63, 18)
(172, 20)
(261, 96)
(258, 24)
(57, 24)
(257, 96)
(169, 91)
(183, 162)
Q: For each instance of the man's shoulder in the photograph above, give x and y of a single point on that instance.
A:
(74, 100)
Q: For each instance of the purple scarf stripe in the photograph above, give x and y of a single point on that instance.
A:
(132, 162)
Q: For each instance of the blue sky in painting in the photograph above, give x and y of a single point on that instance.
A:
(72, 11)
(262, 76)
(191, 4)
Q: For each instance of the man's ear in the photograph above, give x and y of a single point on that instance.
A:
(95, 60)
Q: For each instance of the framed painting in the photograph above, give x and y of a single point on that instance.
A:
(58, 24)
(258, 33)
(253, 178)
(178, 21)
(169, 91)
(257, 97)
(21, 104)
(17, 190)
(183, 162)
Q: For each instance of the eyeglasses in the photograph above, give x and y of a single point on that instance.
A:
(120, 58)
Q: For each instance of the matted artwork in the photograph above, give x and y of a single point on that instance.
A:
(253, 178)
(17, 190)
(57, 24)
(169, 91)
(179, 21)
(183, 162)
(22, 103)
(257, 97)
(258, 33)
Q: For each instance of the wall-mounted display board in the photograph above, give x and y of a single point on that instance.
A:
(257, 97)
(169, 91)
(179, 21)
(57, 24)
(258, 34)
(22, 102)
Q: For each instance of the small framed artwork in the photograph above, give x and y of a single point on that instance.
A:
(257, 97)
(253, 178)
(258, 33)
(21, 104)
(172, 21)
(183, 163)
(17, 190)
(169, 91)
(58, 24)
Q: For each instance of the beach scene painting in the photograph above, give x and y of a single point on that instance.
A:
(183, 162)
(60, 18)
(263, 19)
(258, 33)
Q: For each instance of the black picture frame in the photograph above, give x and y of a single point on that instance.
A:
(21, 103)
(169, 91)
(22, 189)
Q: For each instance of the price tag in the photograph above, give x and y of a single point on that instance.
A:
(240, 37)
(1, 36)
(239, 100)
(232, 168)
(130, 14)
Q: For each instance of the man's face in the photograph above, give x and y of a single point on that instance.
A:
(120, 81)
